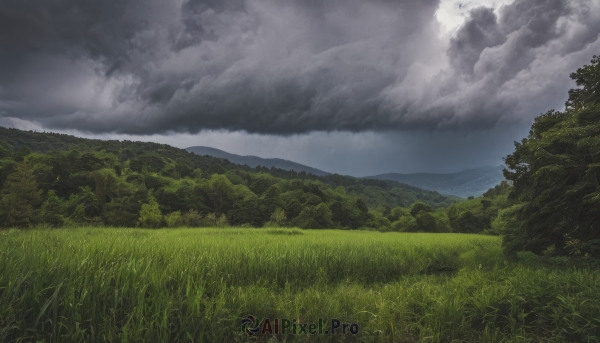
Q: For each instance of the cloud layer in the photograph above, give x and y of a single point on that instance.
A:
(286, 67)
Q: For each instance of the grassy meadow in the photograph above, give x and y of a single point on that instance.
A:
(196, 285)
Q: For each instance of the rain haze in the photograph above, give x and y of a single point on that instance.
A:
(348, 86)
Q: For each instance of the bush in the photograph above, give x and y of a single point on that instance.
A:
(379, 223)
(405, 224)
(150, 215)
(51, 210)
(222, 221)
(313, 217)
(426, 222)
(192, 219)
(467, 222)
(174, 219)
(442, 223)
(278, 217)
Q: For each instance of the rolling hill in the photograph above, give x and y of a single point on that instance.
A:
(253, 161)
(374, 192)
(469, 182)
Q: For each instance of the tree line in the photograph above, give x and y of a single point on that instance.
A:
(555, 173)
(152, 185)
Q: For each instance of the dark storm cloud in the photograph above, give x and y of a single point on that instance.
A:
(515, 65)
(284, 67)
(98, 30)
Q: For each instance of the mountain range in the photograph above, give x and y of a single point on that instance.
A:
(469, 182)
(254, 161)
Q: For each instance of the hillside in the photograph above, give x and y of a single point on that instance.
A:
(124, 175)
(254, 161)
(469, 182)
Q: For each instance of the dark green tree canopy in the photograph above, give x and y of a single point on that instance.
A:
(19, 197)
(418, 207)
(555, 173)
(122, 183)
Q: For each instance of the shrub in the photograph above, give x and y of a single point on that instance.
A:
(150, 215)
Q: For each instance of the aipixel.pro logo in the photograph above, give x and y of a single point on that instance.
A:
(253, 326)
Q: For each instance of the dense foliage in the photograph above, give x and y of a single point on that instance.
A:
(56, 180)
(555, 174)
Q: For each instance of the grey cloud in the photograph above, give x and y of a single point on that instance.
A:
(481, 31)
(286, 66)
(515, 66)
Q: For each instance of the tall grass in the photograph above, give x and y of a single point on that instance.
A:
(195, 285)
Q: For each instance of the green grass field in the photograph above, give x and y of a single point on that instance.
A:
(196, 285)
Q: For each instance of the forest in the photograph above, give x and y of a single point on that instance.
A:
(57, 180)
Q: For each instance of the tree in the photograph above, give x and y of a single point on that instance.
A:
(398, 212)
(555, 173)
(192, 219)
(150, 215)
(20, 196)
(386, 210)
(405, 224)
(418, 207)
(51, 211)
(499, 189)
(261, 183)
(313, 217)
(5, 150)
(505, 223)
(310, 199)
(589, 95)
(211, 220)
(215, 168)
(278, 217)
(105, 180)
(147, 163)
(442, 222)
(246, 211)
(467, 222)
(425, 222)
(197, 174)
(173, 219)
(341, 214)
(268, 203)
(124, 211)
(78, 215)
(485, 204)
(362, 205)
(220, 190)
(222, 221)
(379, 223)
(23, 151)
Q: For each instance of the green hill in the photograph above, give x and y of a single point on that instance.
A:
(113, 182)
(255, 161)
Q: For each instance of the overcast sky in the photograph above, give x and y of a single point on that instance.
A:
(355, 87)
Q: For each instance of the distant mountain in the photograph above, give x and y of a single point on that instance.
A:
(253, 161)
(463, 184)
